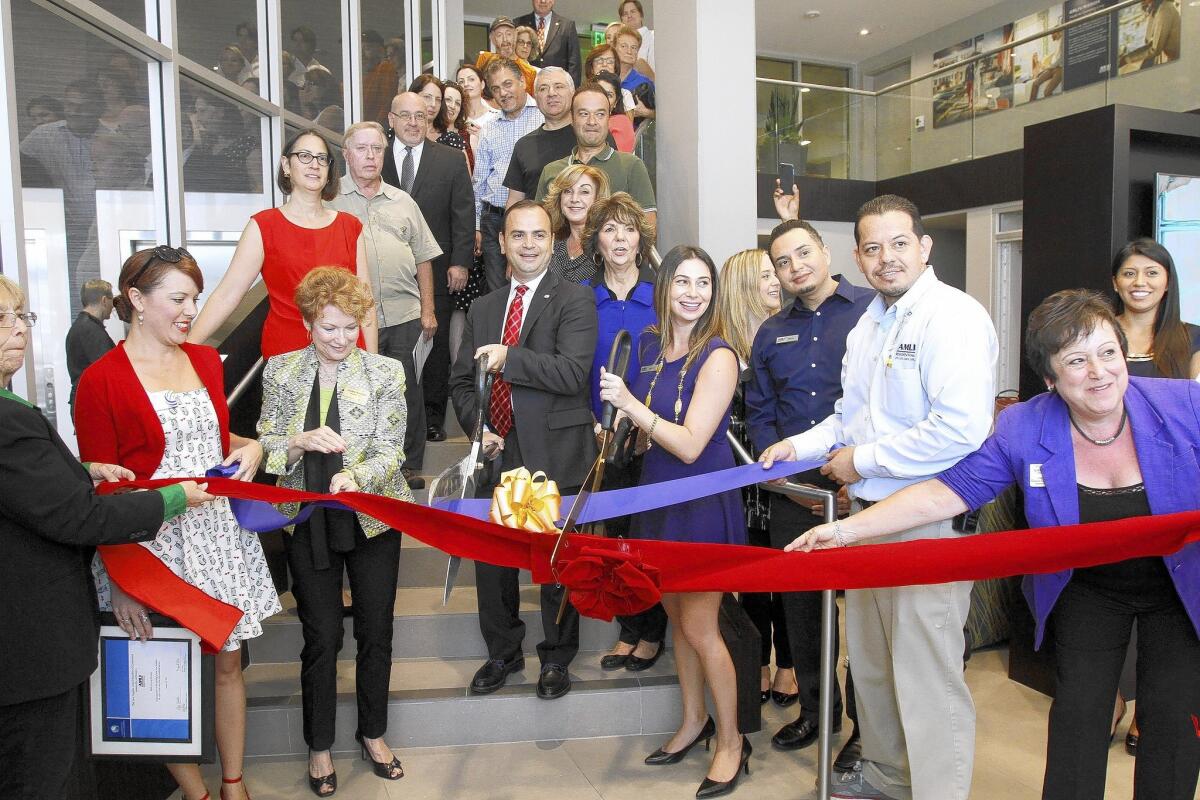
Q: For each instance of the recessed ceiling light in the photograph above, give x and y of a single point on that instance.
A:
(864, 32)
(805, 142)
(812, 14)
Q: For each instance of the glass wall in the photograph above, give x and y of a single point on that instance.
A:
(119, 151)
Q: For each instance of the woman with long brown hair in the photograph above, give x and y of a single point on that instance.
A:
(687, 381)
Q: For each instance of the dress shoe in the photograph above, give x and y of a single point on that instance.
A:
(611, 661)
(390, 771)
(800, 734)
(783, 699)
(413, 480)
(554, 682)
(435, 433)
(1131, 741)
(849, 758)
(491, 676)
(660, 757)
(853, 786)
(635, 664)
(764, 696)
(711, 788)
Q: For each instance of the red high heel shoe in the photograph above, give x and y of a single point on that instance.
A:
(226, 781)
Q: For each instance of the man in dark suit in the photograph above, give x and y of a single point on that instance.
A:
(441, 186)
(539, 333)
(559, 40)
(87, 340)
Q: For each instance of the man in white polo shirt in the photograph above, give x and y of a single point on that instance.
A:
(917, 396)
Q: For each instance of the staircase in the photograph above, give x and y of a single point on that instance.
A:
(436, 650)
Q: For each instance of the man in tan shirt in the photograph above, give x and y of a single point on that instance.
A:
(400, 247)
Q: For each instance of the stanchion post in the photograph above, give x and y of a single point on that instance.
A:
(828, 501)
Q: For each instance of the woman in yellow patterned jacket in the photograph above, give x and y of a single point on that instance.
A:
(333, 420)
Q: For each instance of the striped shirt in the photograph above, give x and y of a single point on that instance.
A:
(496, 143)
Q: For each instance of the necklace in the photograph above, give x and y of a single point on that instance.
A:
(678, 389)
(1102, 442)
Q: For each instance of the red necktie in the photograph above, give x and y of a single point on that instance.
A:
(500, 408)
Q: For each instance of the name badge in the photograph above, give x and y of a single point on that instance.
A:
(648, 368)
(1035, 476)
(357, 396)
(795, 337)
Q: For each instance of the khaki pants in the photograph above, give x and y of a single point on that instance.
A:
(915, 712)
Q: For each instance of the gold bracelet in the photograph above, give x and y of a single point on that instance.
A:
(653, 424)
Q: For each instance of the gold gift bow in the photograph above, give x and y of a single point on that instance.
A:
(531, 502)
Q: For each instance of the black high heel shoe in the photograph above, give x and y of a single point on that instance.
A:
(711, 788)
(323, 786)
(389, 772)
(661, 757)
(783, 699)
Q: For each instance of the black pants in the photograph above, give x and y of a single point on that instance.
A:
(499, 596)
(1091, 630)
(397, 341)
(765, 610)
(435, 378)
(41, 748)
(802, 615)
(491, 225)
(372, 566)
(651, 624)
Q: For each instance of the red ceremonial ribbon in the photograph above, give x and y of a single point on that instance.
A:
(617, 575)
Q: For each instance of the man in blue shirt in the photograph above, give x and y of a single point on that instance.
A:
(797, 377)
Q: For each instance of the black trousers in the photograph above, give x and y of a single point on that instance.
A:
(765, 610)
(435, 378)
(802, 616)
(1091, 631)
(372, 565)
(397, 341)
(491, 224)
(499, 596)
(41, 749)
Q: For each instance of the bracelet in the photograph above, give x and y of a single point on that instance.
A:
(842, 538)
(653, 424)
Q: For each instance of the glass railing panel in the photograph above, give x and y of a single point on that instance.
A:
(820, 132)
(936, 130)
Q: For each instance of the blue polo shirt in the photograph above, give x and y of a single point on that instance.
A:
(633, 314)
(796, 364)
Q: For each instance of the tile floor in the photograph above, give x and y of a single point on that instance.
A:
(1010, 747)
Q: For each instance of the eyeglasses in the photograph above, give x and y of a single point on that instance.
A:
(307, 158)
(169, 255)
(405, 116)
(8, 319)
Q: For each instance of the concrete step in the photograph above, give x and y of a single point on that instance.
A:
(429, 705)
(425, 629)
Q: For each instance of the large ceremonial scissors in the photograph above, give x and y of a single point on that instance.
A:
(618, 362)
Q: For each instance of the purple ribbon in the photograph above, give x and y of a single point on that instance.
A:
(619, 502)
(259, 516)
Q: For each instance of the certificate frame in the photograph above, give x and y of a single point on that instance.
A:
(170, 671)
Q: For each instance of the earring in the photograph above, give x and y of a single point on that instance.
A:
(141, 319)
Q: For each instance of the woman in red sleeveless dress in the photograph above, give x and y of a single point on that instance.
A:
(283, 244)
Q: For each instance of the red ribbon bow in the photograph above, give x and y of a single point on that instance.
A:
(607, 583)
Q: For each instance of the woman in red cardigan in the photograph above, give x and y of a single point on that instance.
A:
(157, 405)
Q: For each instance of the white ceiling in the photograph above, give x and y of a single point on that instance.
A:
(782, 28)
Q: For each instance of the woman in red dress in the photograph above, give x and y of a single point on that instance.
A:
(283, 244)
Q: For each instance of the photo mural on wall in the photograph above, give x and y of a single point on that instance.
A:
(1135, 38)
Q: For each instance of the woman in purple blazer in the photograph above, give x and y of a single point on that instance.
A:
(1098, 446)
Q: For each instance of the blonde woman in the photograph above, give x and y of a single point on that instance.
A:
(751, 296)
(333, 420)
(568, 201)
(528, 46)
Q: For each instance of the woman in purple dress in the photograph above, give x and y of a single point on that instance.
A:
(683, 358)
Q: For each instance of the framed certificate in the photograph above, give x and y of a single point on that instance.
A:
(152, 701)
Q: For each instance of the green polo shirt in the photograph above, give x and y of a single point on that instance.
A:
(174, 498)
(625, 171)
